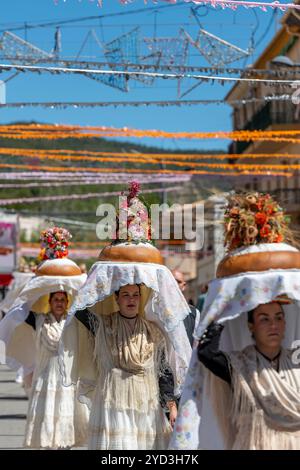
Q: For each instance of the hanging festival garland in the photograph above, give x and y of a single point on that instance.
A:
(103, 129)
(138, 157)
(162, 104)
(65, 197)
(62, 136)
(284, 72)
(127, 74)
(62, 179)
(72, 183)
(81, 176)
(50, 128)
(55, 132)
(243, 170)
(232, 4)
(185, 161)
(185, 164)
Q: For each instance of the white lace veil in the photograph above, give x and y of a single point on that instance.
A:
(228, 301)
(18, 337)
(162, 303)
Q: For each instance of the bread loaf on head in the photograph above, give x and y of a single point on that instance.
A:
(5, 250)
(262, 261)
(132, 242)
(131, 253)
(58, 267)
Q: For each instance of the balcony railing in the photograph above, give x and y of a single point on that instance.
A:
(287, 196)
(273, 112)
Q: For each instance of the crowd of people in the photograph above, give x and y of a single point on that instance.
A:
(118, 359)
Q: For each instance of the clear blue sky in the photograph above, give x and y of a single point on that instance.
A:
(235, 27)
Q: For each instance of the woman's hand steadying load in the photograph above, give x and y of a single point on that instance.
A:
(210, 355)
(213, 330)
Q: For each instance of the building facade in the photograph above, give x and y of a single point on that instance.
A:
(282, 54)
(198, 263)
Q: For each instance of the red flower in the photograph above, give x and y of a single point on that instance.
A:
(260, 218)
(133, 189)
(234, 212)
(236, 241)
(265, 231)
(269, 210)
(278, 239)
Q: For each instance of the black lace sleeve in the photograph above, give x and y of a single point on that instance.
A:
(165, 382)
(30, 320)
(210, 355)
(88, 319)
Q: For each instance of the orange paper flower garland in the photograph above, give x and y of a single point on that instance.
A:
(146, 170)
(54, 132)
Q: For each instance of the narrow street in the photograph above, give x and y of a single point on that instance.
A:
(13, 408)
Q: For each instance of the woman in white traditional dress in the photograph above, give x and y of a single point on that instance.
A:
(125, 341)
(55, 419)
(31, 332)
(131, 362)
(243, 386)
(123, 368)
(264, 381)
(14, 290)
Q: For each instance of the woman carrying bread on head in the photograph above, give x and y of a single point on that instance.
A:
(133, 380)
(126, 343)
(243, 385)
(31, 331)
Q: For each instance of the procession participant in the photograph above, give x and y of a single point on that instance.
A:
(125, 341)
(31, 331)
(243, 388)
(20, 279)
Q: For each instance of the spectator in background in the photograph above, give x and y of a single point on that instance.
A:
(192, 320)
(201, 298)
(83, 268)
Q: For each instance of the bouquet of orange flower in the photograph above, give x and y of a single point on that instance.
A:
(54, 243)
(254, 218)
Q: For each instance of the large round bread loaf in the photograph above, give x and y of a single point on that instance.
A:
(58, 267)
(5, 250)
(262, 261)
(131, 253)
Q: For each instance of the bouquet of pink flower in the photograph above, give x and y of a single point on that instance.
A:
(54, 243)
(135, 212)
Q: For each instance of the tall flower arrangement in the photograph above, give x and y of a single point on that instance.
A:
(135, 212)
(54, 243)
(254, 218)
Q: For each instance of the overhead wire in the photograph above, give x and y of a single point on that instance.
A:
(94, 17)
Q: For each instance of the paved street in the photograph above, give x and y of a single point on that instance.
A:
(13, 408)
